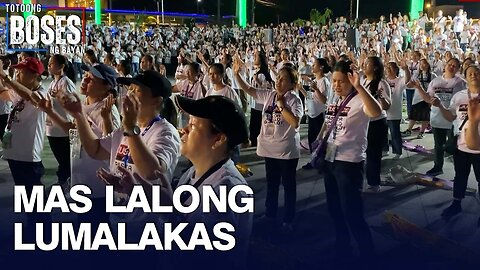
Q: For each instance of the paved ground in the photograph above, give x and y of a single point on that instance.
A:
(310, 245)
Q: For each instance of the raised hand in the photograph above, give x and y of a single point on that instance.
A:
(414, 84)
(121, 184)
(474, 110)
(44, 104)
(236, 65)
(131, 106)
(354, 79)
(72, 104)
(107, 106)
(435, 101)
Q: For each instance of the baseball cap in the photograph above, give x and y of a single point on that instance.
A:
(33, 64)
(103, 72)
(224, 114)
(158, 83)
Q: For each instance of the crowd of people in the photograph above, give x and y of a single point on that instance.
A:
(249, 86)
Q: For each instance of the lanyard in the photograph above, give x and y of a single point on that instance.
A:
(186, 195)
(127, 158)
(16, 109)
(190, 89)
(413, 68)
(274, 103)
(338, 111)
(53, 91)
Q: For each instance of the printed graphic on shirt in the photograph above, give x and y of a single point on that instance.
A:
(462, 111)
(273, 116)
(444, 94)
(189, 91)
(342, 119)
(123, 158)
(13, 118)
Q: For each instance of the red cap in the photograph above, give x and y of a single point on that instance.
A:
(33, 64)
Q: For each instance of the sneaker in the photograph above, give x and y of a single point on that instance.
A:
(406, 133)
(373, 189)
(420, 136)
(434, 172)
(307, 166)
(452, 210)
(397, 156)
(385, 153)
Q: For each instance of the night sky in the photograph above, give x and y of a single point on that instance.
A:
(293, 8)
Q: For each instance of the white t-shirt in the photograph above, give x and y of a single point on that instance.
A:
(397, 86)
(313, 106)
(231, 77)
(459, 107)
(350, 133)
(425, 83)
(226, 91)
(437, 67)
(384, 90)
(136, 57)
(161, 138)
(259, 83)
(181, 70)
(228, 176)
(57, 89)
(191, 90)
(27, 128)
(83, 167)
(277, 138)
(444, 89)
(458, 23)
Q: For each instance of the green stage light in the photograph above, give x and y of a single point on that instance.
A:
(416, 6)
(98, 11)
(26, 14)
(242, 12)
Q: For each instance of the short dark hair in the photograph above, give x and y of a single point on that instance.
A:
(292, 74)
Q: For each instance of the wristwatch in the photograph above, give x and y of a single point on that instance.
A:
(135, 131)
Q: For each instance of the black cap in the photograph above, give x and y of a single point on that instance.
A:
(103, 72)
(224, 114)
(159, 84)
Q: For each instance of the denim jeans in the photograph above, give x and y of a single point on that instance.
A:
(377, 138)
(79, 70)
(343, 187)
(462, 163)
(135, 67)
(394, 126)
(281, 171)
(409, 96)
(440, 138)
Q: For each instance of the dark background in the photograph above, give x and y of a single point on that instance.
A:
(289, 9)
